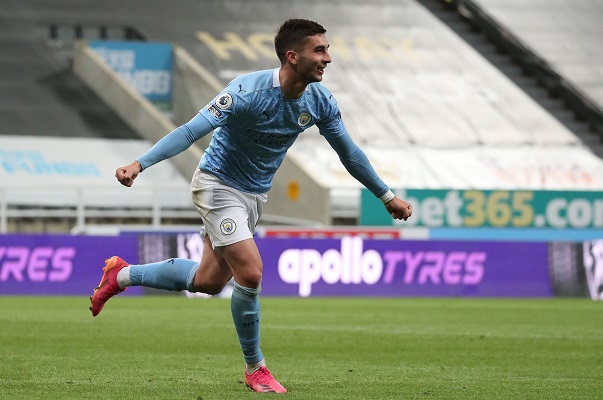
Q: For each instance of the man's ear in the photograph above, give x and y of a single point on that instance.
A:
(292, 57)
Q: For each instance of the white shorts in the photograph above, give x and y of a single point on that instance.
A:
(228, 215)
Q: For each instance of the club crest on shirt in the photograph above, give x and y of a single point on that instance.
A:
(228, 226)
(224, 102)
(304, 119)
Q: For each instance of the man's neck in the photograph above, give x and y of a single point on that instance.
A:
(291, 86)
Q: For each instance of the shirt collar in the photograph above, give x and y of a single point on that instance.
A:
(276, 82)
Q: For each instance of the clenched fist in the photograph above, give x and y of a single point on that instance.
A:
(126, 175)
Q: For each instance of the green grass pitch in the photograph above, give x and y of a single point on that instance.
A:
(338, 348)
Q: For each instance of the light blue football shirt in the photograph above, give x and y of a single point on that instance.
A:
(255, 124)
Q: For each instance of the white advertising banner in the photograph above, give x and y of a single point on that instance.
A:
(59, 171)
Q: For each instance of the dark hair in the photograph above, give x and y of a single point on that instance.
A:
(292, 32)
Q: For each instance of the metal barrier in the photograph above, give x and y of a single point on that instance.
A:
(80, 203)
(122, 205)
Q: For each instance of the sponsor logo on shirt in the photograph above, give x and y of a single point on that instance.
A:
(271, 139)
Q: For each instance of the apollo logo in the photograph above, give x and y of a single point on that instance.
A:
(351, 264)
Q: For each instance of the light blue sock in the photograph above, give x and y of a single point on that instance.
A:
(245, 307)
(174, 274)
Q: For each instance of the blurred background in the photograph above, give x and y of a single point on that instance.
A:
(486, 115)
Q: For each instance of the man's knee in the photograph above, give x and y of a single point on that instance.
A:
(251, 278)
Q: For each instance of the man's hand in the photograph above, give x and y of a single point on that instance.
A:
(126, 175)
(398, 208)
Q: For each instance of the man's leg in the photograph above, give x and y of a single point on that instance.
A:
(174, 274)
(213, 273)
(246, 265)
(209, 276)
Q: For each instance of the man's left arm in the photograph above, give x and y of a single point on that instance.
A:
(358, 165)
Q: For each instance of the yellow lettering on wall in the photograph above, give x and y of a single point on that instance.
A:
(401, 48)
(222, 48)
(340, 49)
(369, 50)
(263, 43)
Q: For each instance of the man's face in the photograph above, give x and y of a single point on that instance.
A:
(313, 58)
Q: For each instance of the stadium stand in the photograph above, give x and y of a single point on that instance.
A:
(427, 108)
(556, 43)
(40, 95)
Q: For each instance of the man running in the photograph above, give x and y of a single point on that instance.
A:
(255, 119)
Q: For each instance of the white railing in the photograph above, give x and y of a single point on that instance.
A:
(108, 202)
(83, 202)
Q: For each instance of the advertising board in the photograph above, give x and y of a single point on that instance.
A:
(147, 67)
(59, 264)
(440, 208)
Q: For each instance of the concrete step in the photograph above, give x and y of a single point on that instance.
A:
(504, 63)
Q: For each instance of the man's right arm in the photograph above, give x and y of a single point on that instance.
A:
(170, 145)
(176, 141)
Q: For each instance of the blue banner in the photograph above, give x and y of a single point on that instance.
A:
(145, 66)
